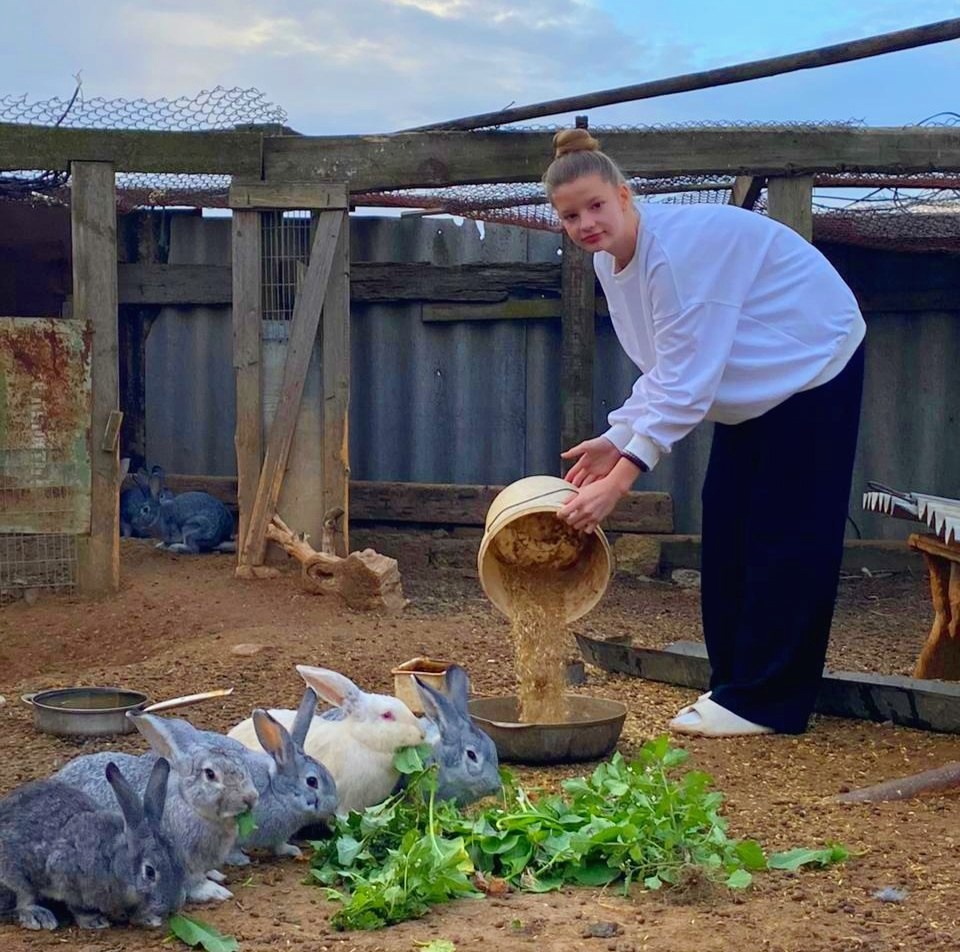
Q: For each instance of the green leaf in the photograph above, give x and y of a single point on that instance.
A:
(792, 860)
(193, 932)
(245, 824)
(653, 882)
(411, 760)
(436, 945)
(750, 854)
(739, 879)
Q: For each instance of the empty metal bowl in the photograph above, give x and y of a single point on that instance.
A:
(591, 731)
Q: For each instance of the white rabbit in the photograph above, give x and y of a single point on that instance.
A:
(358, 748)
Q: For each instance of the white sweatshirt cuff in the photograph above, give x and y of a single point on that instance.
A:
(619, 434)
(643, 449)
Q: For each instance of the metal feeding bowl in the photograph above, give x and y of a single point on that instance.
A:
(591, 731)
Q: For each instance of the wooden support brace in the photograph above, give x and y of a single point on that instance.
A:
(303, 333)
(578, 309)
(296, 195)
(746, 190)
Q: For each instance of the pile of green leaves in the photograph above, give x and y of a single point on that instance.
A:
(628, 822)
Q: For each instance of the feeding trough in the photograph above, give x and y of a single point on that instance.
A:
(591, 730)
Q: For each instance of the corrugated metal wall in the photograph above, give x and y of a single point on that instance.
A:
(478, 402)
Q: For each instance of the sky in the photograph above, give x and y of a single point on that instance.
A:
(375, 66)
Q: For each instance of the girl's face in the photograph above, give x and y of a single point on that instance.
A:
(596, 215)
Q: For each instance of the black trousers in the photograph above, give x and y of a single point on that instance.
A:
(774, 512)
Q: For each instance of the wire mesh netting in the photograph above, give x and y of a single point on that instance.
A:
(285, 243)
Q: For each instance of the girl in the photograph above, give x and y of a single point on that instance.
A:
(731, 317)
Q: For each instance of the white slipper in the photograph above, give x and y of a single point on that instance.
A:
(706, 718)
(689, 707)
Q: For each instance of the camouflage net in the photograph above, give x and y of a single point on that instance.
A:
(916, 212)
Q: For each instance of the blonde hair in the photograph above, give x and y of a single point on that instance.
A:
(577, 153)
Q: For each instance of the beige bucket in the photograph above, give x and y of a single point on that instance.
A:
(522, 529)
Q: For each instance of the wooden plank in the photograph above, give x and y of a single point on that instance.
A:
(524, 309)
(296, 195)
(746, 190)
(153, 283)
(457, 158)
(43, 147)
(371, 282)
(443, 503)
(577, 344)
(790, 200)
(935, 547)
(335, 349)
(247, 362)
(467, 505)
(303, 333)
(93, 215)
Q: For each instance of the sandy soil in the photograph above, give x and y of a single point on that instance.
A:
(171, 629)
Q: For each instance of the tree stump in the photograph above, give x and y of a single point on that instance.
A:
(366, 581)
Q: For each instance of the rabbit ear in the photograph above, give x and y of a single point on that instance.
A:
(156, 481)
(436, 706)
(458, 687)
(130, 805)
(273, 738)
(155, 795)
(124, 469)
(304, 718)
(334, 688)
(159, 736)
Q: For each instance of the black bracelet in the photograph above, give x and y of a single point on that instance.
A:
(636, 461)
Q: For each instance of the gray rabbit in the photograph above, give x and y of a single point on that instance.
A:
(190, 522)
(210, 786)
(466, 757)
(58, 844)
(295, 789)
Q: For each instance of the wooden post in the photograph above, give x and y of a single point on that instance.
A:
(335, 347)
(93, 215)
(577, 309)
(790, 200)
(303, 332)
(247, 314)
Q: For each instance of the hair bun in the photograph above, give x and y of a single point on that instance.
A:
(574, 140)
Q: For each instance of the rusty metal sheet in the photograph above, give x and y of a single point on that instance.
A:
(44, 425)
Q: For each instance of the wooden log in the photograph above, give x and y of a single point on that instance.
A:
(247, 364)
(945, 779)
(577, 344)
(366, 581)
(741, 72)
(303, 333)
(93, 213)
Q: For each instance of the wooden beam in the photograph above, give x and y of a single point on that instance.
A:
(410, 160)
(292, 195)
(524, 309)
(303, 334)
(247, 361)
(93, 214)
(335, 351)
(144, 283)
(577, 344)
(746, 190)
(43, 147)
(790, 200)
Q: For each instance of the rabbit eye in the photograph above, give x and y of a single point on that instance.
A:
(387, 715)
(313, 782)
(149, 872)
(471, 754)
(209, 774)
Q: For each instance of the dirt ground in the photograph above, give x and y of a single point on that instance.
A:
(171, 629)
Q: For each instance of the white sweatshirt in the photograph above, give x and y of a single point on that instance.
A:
(727, 313)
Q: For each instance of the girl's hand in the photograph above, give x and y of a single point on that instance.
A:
(585, 511)
(594, 459)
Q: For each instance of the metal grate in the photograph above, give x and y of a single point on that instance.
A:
(36, 491)
(285, 240)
